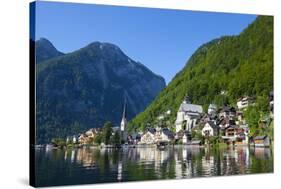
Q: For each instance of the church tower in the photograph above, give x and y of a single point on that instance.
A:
(123, 124)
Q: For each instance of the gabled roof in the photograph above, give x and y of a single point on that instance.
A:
(212, 124)
(260, 137)
(226, 120)
(167, 132)
(184, 107)
(227, 109)
(212, 106)
(196, 142)
(151, 130)
(232, 126)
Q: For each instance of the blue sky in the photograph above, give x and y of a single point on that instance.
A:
(161, 39)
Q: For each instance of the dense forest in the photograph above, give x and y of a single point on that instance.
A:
(220, 72)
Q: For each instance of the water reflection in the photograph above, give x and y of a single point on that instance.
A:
(94, 165)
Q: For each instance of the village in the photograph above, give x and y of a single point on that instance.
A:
(224, 125)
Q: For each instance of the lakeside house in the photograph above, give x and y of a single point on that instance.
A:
(187, 115)
(88, 136)
(155, 135)
(167, 135)
(210, 129)
(148, 137)
(230, 134)
(134, 138)
(82, 139)
(261, 141)
(236, 135)
(242, 133)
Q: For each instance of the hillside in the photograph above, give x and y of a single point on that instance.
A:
(86, 88)
(45, 50)
(219, 72)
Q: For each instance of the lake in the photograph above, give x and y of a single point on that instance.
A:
(95, 165)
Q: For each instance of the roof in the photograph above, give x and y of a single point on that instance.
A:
(243, 98)
(232, 126)
(212, 106)
(260, 137)
(228, 109)
(190, 108)
(226, 120)
(168, 133)
(244, 126)
(212, 124)
(196, 142)
(151, 130)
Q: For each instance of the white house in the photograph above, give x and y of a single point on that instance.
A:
(210, 129)
(184, 139)
(167, 135)
(74, 139)
(262, 141)
(243, 102)
(187, 115)
(148, 137)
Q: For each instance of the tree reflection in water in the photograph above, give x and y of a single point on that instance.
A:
(95, 165)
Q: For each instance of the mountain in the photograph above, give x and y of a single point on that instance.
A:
(45, 50)
(88, 87)
(219, 72)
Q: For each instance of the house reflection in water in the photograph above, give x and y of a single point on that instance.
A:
(84, 157)
(173, 162)
(262, 153)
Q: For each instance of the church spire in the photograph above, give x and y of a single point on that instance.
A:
(123, 124)
(187, 100)
(124, 110)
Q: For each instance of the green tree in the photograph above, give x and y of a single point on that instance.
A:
(106, 132)
(252, 117)
(58, 142)
(116, 140)
(98, 139)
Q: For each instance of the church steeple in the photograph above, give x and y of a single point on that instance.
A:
(123, 124)
(187, 100)
(124, 110)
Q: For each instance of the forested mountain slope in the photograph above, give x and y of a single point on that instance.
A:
(220, 72)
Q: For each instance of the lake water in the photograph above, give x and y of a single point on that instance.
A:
(94, 165)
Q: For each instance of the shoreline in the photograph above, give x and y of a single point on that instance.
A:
(219, 145)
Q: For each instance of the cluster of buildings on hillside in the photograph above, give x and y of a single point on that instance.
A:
(227, 124)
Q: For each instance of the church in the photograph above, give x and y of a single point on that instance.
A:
(187, 115)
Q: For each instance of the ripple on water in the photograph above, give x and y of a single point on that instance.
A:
(88, 165)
